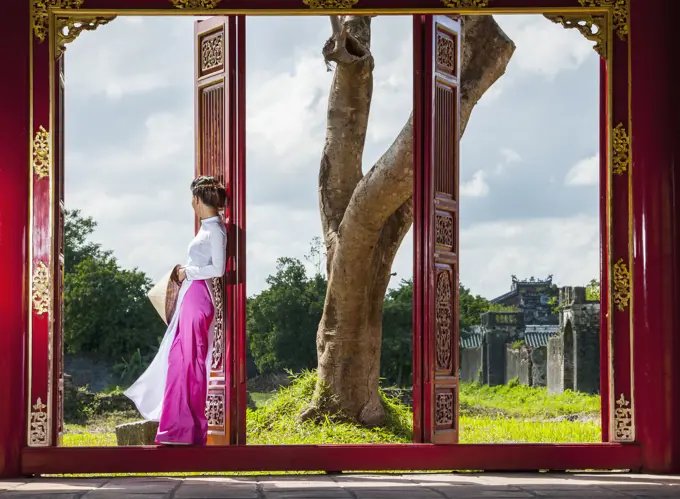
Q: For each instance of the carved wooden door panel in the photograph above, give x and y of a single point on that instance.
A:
(215, 146)
(437, 125)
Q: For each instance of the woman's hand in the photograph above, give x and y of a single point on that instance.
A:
(181, 274)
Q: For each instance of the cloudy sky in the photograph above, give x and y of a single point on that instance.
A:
(528, 159)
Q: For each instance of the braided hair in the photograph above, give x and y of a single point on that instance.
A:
(210, 191)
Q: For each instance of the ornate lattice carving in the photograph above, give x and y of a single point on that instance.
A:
(39, 430)
(619, 10)
(218, 342)
(446, 54)
(624, 429)
(41, 14)
(467, 4)
(330, 4)
(443, 409)
(444, 310)
(41, 153)
(69, 29)
(195, 4)
(41, 289)
(444, 231)
(621, 150)
(592, 27)
(621, 285)
(212, 52)
(214, 409)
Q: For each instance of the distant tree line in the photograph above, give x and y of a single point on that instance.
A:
(108, 315)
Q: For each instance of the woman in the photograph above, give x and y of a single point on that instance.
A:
(173, 390)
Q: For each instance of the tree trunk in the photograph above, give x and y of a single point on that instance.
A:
(365, 218)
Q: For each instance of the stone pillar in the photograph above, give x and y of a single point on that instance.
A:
(14, 178)
(495, 357)
(555, 365)
(587, 350)
(539, 366)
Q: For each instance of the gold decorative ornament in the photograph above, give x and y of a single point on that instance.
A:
(212, 52)
(69, 29)
(619, 10)
(466, 4)
(330, 4)
(41, 153)
(621, 149)
(41, 14)
(592, 27)
(446, 53)
(195, 4)
(218, 342)
(41, 289)
(621, 285)
(624, 430)
(38, 436)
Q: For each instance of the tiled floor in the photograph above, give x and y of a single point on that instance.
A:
(409, 486)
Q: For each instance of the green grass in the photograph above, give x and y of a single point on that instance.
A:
(501, 414)
(484, 430)
(518, 401)
(261, 398)
(277, 421)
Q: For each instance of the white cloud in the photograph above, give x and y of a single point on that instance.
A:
(477, 187)
(286, 111)
(508, 159)
(491, 252)
(510, 156)
(545, 48)
(136, 187)
(568, 248)
(585, 172)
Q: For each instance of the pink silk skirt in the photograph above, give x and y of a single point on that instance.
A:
(183, 420)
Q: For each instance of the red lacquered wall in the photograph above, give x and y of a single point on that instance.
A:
(14, 145)
(656, 311)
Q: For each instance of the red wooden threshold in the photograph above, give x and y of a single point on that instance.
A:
(374, 457)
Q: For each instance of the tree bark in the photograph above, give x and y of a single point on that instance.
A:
(365, 218)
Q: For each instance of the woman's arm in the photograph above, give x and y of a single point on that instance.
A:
(218, 249)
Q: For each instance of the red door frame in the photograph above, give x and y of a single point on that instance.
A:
(651, 260)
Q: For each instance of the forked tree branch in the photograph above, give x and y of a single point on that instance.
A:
(389, 184)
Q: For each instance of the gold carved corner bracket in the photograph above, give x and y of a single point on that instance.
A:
(40, 292)
(68, 29)
(621, 285)
(41, 153)
(330, 4)
(619, 12)
(624, 427)
(621, 149)
(195, 4)
(593, 27)
(466, 4)
(41, 14)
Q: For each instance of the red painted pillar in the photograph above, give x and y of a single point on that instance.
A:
(656, 229)
(14, 178)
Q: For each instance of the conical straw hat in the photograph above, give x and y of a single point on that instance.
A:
(163, 296)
